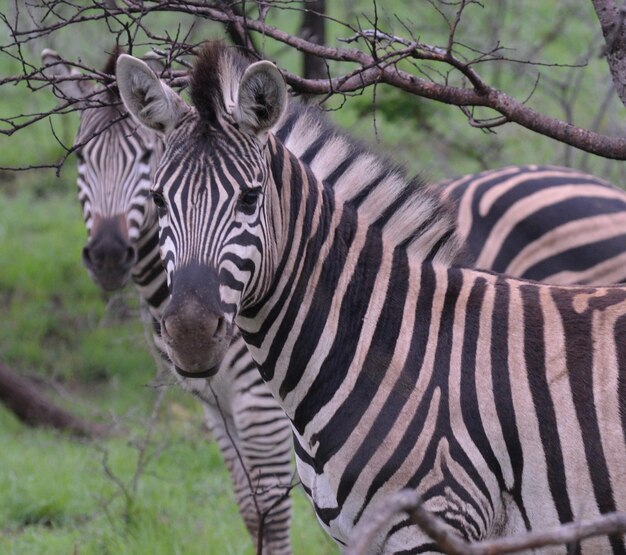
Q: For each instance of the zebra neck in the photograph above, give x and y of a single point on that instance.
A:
(148, 274)
(309, 325)
(409, 210)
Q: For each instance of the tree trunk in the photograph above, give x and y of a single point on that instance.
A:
(24, 400)
(313, 29)
(613, 28)
(237, 32)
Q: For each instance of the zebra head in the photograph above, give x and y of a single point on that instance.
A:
(214, 191)
(116, 159)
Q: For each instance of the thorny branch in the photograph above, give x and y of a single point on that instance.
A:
(378, 58)
(408, 501)
(129, 489)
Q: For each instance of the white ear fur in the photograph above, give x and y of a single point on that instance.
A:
(65, 90)
(262, 98)
(150, 101)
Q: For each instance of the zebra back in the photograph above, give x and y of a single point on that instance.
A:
(545, 223)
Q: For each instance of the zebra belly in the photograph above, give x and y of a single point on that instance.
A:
(340, 522)
(323, 495)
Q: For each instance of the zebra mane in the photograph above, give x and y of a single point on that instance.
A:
(106, 103)
(111, 90)
(216, 74)
(411, 212)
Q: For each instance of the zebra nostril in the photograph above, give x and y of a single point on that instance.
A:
(87, 257)
(220, 329)
(131, 255)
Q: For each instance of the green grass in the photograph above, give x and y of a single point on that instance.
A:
(56, 499)
(54, 316)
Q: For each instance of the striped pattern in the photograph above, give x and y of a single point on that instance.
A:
(114, 176)
(550, 224)
(502, 402)
(115, 171)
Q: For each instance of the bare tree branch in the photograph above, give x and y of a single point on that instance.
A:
(26, 401)
(370, 71)
(313, 29)
(237, 32)
(380, 58)
(408, 501)
(147, 451)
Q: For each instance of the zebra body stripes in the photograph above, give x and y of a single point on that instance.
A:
(115, 169)
(550, 224)
(500, 401)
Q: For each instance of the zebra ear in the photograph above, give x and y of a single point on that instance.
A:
(262, 99)
(54, 68)
(146, 97)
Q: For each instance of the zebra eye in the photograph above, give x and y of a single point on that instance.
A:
(145, 157)
(159, 200)
(248, 199)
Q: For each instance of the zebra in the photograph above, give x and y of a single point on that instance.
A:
(294, 123)
(115, 169)
(367, 331)
(545, 223)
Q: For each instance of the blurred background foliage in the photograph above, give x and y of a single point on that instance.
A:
(87, 349)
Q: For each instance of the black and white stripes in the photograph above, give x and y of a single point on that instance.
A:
(500, 401)
(550, 224)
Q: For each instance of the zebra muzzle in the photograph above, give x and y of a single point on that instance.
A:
(205, 374)
(109, 256)
(196, 338)
(110, 270)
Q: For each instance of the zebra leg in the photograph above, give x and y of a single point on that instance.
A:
(266, 444)
(265, 508)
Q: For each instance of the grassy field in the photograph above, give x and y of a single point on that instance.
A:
(56, 498)
(87, 350)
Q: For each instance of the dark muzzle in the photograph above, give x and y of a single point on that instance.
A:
(109, 256)
(196, 335)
